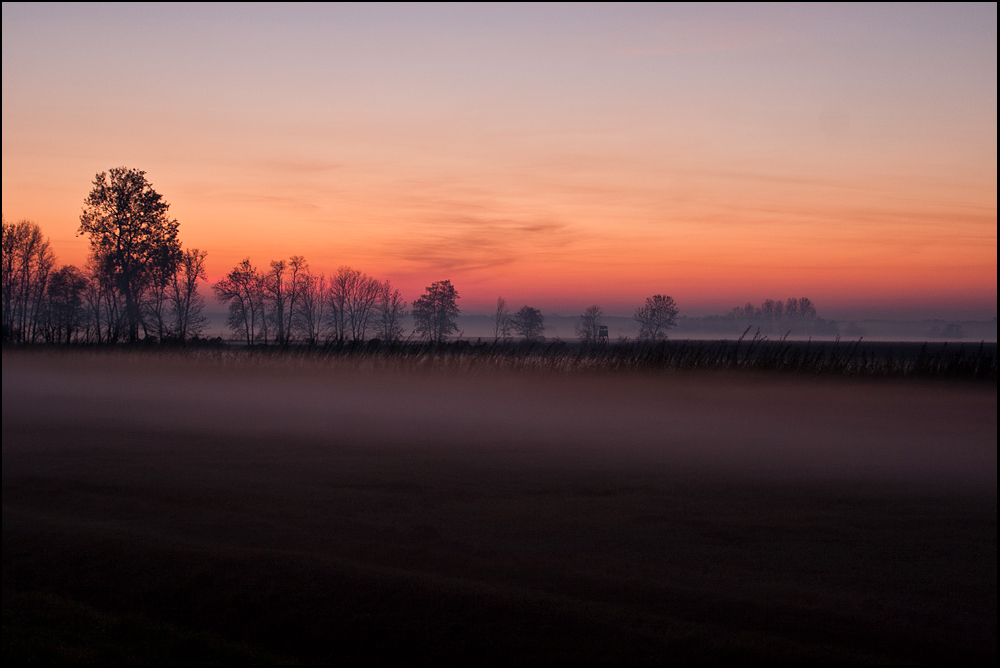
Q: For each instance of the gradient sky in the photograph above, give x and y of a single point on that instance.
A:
(557, 155)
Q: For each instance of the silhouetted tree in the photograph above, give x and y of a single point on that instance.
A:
(310, 306)
(361, 306)
(104, 304)
(529, 323)
(187, 302)
(340, 288)
(26, 264)
(298, 280)
(655, 317)
(63, 310)
(435, 312)
(242, 290)
(154, 302)
(791, 308)
(390, 309)
(747, 312)
(794, 315)
(130, 235)
(501, 321)
(590, 324)
(352, 303)
(275, 298)
(283, 286)
(807, 313)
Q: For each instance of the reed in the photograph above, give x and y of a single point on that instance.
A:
(750, 354)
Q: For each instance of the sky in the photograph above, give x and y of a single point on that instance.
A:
(557, 155)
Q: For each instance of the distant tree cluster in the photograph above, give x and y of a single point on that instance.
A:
(951, 332)
(138, 281)
(792, 316)
(289, 303)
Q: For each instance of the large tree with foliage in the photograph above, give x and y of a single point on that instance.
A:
(529, 323)
(131, 236)
(655, 317)
(434, 313)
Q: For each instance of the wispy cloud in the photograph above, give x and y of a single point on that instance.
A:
(470, 242)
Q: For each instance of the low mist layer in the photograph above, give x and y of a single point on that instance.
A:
(739, 425)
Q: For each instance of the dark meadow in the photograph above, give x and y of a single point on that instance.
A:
(220, 505)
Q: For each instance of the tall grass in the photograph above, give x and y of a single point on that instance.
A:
(758, 353)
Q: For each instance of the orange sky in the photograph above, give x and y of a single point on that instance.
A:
(559, 156)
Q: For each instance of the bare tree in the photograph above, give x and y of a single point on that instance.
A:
(390, 310)
(340, 289)
(747, 312)
(26, 265)
(791, 308)
(310, 307)
(435, 312)
(361, 306)
(501, 321)
(242, 290)
(297, 282)
(283, 286)
(8, 272)
(807, 313)
(113, 303)
(655, 317)
(105, 307)
(590, 324)
(154, 301)
(529, 323)
(187, 303)
(92, 306)
(276, 291)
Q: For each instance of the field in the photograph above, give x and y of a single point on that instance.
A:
(223, 508)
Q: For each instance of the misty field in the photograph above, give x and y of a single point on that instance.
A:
(224, 507)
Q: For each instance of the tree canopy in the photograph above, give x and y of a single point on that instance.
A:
(131, 236)
(434, 313)
(655, 317)
(529, 323)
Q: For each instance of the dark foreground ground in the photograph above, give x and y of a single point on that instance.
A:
(161, 509)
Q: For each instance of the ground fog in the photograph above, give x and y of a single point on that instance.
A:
(743, 425)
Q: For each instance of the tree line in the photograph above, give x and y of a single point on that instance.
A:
(774, 316)
(140, 283)
(288, 302)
